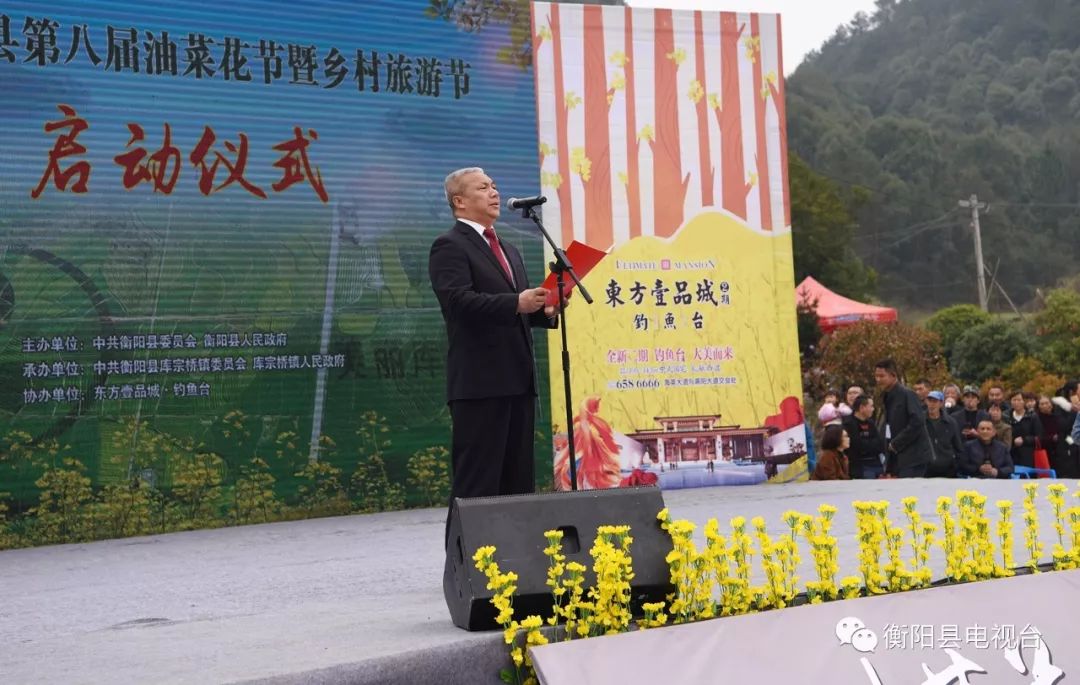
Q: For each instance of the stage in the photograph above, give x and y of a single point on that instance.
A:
(355, 599)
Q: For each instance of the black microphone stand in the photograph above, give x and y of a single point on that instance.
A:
(560, 267)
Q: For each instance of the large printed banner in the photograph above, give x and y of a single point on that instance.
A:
(662, 140)
(214, 228)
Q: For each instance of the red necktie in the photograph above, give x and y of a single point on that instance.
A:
(489, 233)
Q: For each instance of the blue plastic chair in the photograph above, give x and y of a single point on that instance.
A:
(1029, 472)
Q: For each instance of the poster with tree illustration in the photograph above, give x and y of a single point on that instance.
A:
(662, 140)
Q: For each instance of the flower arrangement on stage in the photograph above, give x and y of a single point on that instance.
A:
(718, 579)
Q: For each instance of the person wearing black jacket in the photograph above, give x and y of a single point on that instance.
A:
(1025, 431)
(944, 438)
(1066, 409)
(867, 445)
(909, 440)
(968, 415)
(985, 457)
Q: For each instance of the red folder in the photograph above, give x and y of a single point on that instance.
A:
(583, 258)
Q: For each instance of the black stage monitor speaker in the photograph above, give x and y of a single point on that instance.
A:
(515, 525)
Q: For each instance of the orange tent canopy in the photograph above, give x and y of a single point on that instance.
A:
(835, 310)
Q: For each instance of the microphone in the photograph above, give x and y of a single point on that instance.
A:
(516, 203)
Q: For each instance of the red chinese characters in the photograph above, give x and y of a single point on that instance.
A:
(162, 167)
(207, 173)
(215, 169)
(65, 146)
(295, 165)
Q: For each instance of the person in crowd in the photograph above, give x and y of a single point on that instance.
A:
(1053, 439)
(995, 394)
(968, 414)
(1002, 428)
(1025, 431)
(922, 389)
(832, 463)
(909, 442)
(832, 396)
(867, 451)
(829, 415)
(944, 437)
(986, 456)
(1031, 401)
(1067, 409)
(847, 406)
(952, 396)
(853, 392)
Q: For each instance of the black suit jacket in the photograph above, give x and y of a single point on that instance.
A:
(490, 345)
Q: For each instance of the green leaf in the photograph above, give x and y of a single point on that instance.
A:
(507, 676)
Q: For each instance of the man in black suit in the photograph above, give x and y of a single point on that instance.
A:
(488, 308)
(909, 441)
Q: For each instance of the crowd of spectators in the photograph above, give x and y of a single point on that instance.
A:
(948, 433)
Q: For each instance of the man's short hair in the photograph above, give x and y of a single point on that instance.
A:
(923, 381)
(887, 365)
(859, 403)
(982, 421)
(452, 184)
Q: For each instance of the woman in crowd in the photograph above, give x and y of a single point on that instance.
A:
(832, 462)
(1025, 430)
(1002, 429)
(1066, 409)
(1051, 438)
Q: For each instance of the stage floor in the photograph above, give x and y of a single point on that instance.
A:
(281, 601)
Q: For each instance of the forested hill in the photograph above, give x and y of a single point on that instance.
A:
(929, 101)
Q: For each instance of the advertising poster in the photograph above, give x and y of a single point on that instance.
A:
(662, 142)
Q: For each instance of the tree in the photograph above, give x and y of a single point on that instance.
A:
(473, 15)
(928, 103)
(822, 232)
(985, 350)
(952, 322)
(1058, 329)
(848, 354)
(809, 332)
(1027, 374)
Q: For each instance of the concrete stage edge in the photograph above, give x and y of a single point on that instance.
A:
(354, 599)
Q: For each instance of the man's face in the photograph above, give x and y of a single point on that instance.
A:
(995, 395)
(866, 411)
(952, 393)
(995, 412)
(477, 199)
(852, 392)
(971, 402)
(922, 391)
(986, 431)
(933, 407)
(1017, 402)
(884, 379)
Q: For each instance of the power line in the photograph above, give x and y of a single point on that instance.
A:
(914, 228)
(1041, 205)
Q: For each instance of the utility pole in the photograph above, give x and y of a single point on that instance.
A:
(975, 206)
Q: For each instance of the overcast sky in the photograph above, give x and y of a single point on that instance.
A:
(806, 25)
